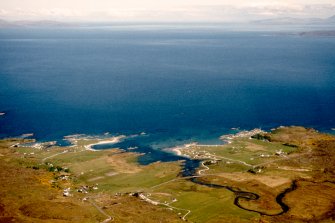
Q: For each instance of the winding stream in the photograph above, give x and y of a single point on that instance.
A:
(189, 170)
(239, 194)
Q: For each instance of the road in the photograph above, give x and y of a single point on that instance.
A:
(238, 161)
(108, 219)
(166, 204)
(206, 168)
(44, 159)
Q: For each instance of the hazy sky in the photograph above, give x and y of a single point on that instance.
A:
(163, 10)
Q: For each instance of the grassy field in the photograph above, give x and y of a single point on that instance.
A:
(204, 203)
(110, 184)
(243, 149)
(26, 177)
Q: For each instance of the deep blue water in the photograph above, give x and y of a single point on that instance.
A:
(175, 85)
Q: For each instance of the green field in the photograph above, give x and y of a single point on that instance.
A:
(118, 185)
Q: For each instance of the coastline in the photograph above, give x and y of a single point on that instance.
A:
(177, 150)
(226, 139)
(112, 140)
(223, 170)
(241, 134)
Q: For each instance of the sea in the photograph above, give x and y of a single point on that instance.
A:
(167, 85)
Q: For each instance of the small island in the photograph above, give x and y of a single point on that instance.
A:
(286, 175)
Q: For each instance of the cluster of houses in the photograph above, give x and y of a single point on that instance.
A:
(242, 134)
(147, 199)
(277, 153)
(200, 154)
(33, 144)
(83, 189)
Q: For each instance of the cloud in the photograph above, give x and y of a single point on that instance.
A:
(225, 13)
(321, 10)
(55, 13)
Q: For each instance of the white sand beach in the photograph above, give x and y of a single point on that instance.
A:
(112, 140)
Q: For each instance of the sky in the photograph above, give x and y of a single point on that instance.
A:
(164, 10)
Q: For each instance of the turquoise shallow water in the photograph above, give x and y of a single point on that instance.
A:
(177, 85)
